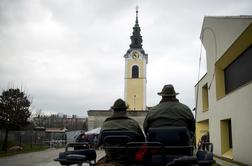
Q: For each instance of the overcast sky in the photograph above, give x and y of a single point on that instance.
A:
(68, 54)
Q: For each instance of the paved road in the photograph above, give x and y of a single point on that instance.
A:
(42, 158)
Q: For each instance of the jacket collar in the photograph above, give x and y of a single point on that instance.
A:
(118, 115)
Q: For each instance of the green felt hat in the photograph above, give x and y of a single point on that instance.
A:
(168, 90)
(119, 104)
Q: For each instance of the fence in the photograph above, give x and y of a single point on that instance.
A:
(29, 137)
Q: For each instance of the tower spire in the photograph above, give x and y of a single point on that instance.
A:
(137, 14)
(136, 38)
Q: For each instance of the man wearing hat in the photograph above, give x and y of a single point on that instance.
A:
(169, 112)
(120, 121)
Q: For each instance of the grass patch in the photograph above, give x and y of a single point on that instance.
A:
(26, 149)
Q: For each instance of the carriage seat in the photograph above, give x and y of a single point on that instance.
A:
(82, 155)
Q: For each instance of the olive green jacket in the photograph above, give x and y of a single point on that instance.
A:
(171, 113)
(120, 121)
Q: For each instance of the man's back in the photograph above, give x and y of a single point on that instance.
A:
(119, 121)
(171, 113)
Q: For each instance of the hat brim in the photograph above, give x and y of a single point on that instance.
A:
(119, 107)
(162, 94)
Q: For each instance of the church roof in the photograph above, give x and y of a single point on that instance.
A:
(136, 38)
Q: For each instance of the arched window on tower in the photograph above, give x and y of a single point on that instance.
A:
(135, 71)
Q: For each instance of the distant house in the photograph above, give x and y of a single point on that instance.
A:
(53, 134)
(224, 93)
(55, 130)
(56, 121)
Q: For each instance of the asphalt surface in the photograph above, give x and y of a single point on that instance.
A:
(42, 158)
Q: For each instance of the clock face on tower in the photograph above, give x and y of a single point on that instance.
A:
(135, 55)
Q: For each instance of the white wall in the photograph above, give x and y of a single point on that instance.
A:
(218, 34)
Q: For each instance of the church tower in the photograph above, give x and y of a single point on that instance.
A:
(135, 71)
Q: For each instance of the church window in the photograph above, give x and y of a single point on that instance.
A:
(135, 71)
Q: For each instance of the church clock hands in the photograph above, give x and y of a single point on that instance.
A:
(135, 55)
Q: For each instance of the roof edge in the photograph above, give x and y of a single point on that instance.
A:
(222, 17)
(234, 16)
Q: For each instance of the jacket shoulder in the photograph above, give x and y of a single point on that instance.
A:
(185, 106)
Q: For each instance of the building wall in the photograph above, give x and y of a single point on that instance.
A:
(202, 124)
(135, 88)
(135, 95)
(224, 39)
(97, 117)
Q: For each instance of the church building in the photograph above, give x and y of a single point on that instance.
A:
(135, 71)
(135, 83)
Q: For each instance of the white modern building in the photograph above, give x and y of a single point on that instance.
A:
(224, 93)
